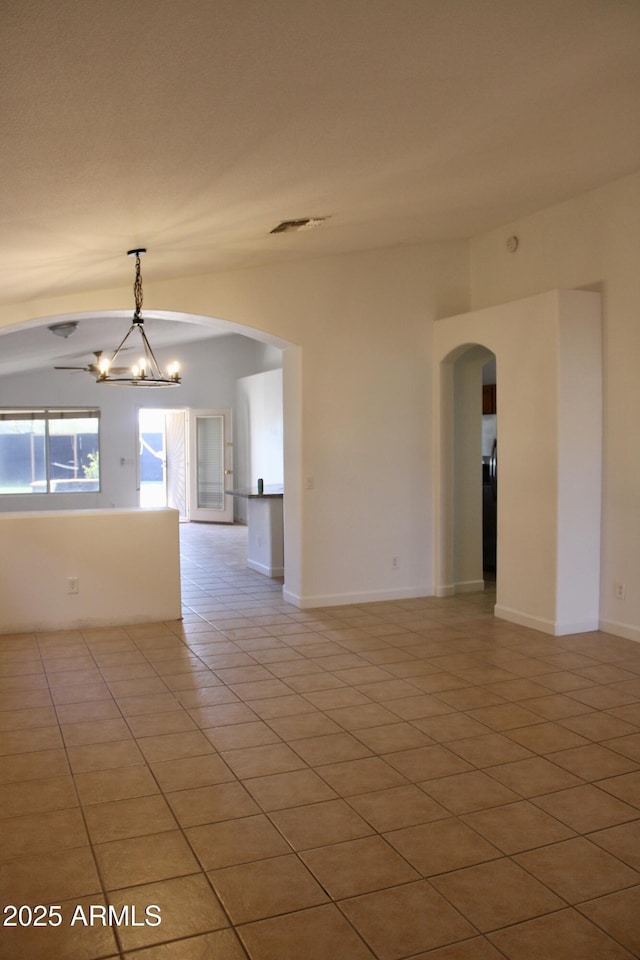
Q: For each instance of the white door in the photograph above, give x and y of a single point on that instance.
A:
(176, 460)
(211, 466)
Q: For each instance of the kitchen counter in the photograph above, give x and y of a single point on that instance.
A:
(265, 528)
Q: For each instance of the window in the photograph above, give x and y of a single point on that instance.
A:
(49, 450)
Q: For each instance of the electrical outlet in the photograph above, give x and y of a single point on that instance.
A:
(395, 562)
(73, 585)
(619, 590)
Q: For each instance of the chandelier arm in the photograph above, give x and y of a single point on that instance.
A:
(149, 348)
(123, 341)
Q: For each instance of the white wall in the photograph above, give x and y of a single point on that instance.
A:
(358, 402)
(126, 564)
(548, 359)
(266, 429)
(258, 434)
(210, 370)
(591, 241)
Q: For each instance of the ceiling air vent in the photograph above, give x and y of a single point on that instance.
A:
(307, 223)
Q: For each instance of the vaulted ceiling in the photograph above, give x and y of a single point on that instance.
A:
(194, 127)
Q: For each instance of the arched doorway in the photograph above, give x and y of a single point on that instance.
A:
(471, 452)
(462, 463)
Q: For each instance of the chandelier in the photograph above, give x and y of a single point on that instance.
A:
(147, 371)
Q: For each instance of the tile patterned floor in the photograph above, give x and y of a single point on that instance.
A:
(410, 779)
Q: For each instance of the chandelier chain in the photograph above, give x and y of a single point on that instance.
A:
(137, 289)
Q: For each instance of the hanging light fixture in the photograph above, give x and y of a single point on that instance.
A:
(147, 371)
(65, 329)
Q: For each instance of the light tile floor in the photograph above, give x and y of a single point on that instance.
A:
(390, 780)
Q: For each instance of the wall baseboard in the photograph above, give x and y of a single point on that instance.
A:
(463, 586)
(445, 590)
(624, 630)
(551, 627)
(263, 568)
(469, 586)
(545, 626)
(344, 599)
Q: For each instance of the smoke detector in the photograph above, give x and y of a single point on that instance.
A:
(306, 223)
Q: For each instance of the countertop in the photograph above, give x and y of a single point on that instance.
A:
(270, 491)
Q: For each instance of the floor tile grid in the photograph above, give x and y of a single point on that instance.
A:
(59, 652)
(116, 640)
(341, 613)
(624, 654)
(342, 628)
(66, 648)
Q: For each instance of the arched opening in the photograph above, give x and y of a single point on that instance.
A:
(169, 329)
(464, 464)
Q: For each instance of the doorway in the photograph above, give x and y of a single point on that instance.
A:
(185, 462)
(471, 504)
(210, 463)
(162, 459)
(489, 471)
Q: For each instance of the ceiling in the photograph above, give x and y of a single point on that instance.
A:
(193, 128)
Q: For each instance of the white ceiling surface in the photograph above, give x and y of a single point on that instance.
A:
(194, 127)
